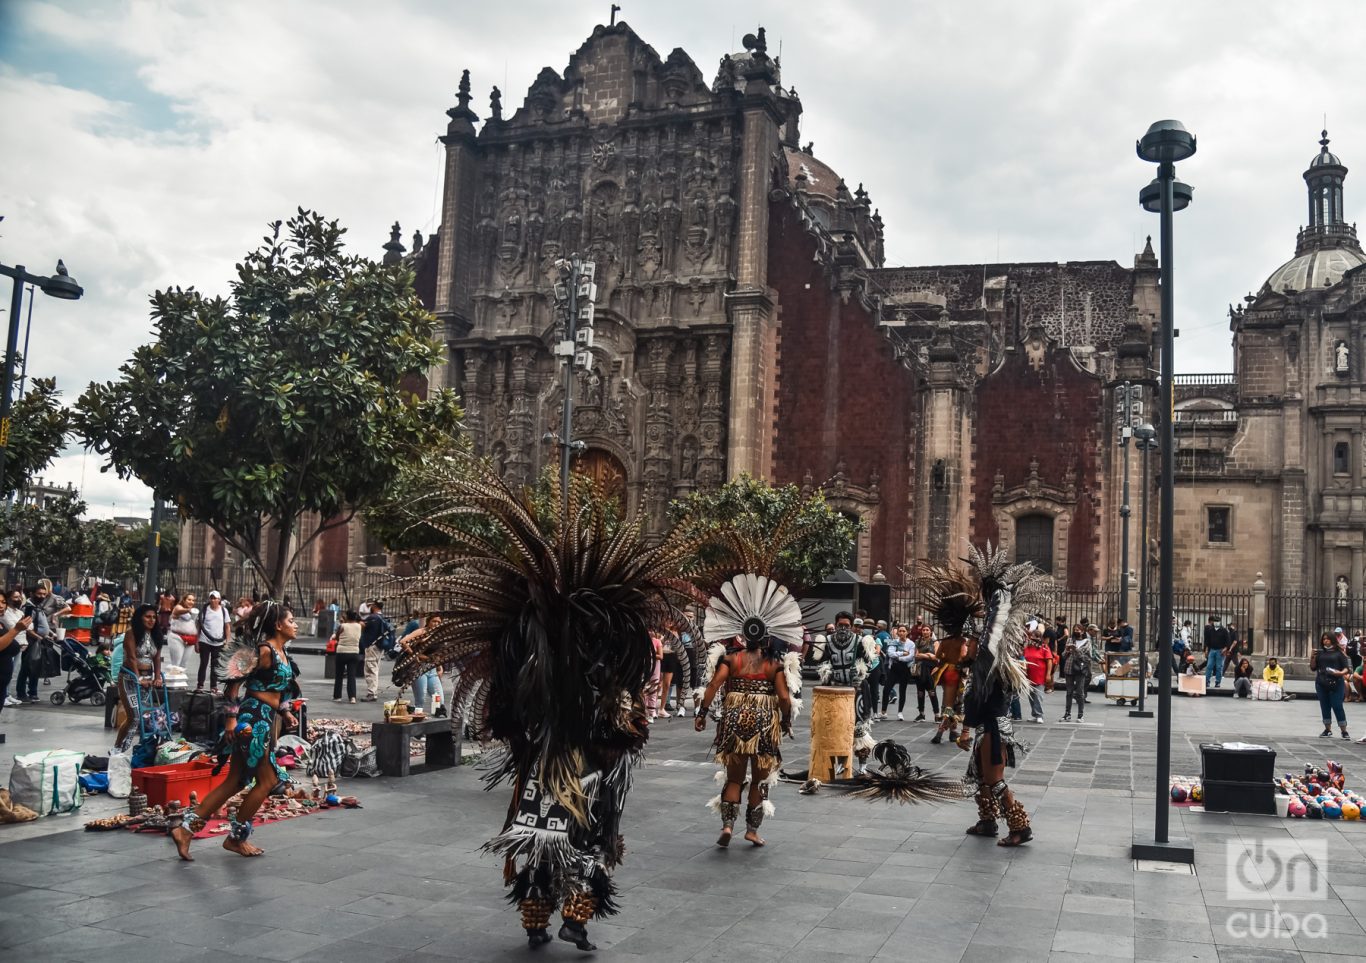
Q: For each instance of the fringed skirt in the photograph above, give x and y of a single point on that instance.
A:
(1006, 748)
(751, 724)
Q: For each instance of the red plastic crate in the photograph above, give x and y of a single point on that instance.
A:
(164, 783)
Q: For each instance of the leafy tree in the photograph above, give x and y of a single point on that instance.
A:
(113, 552)
(292, 395)
(46, 541)
(801, 539)
(39, 424)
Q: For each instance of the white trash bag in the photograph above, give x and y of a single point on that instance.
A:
(120, 774)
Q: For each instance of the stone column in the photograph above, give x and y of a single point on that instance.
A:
(452, 305)
(750, 307)
(943, 525)
(1257, 627)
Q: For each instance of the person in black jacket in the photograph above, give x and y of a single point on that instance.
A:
(375, 628)
(1331, 668)
(1216, 641)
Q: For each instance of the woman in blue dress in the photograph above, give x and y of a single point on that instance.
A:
(262, 670)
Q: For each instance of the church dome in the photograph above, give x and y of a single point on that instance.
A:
(1316, 268)
(805, 172)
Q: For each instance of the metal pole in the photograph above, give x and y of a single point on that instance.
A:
(16, 305)
(1141, 712)
(1124, 511)
(28, 330)
(151, 580)
(567, 426)
(1166, 174)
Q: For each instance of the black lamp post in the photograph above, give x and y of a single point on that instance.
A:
(1145, 437)
(1165, 143)
(60, 285)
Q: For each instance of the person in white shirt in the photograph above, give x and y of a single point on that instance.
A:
(215, 629)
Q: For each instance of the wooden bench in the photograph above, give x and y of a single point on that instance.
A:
(393, 745)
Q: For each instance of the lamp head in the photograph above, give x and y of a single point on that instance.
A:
(1145, 433)
(1166, 142)
(1150, 197)
(62, 284)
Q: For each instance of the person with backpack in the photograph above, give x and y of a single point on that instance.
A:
(374, 632)
(215, 629)
(1076, 671)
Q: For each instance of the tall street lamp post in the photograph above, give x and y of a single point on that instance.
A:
(1165, 143)
(1145, 437)
(1127, 410)
(60, 285)
(575, 293)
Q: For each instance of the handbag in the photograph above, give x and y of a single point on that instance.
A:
(332, 645)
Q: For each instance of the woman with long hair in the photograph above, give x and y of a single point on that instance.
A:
(141, 652)
(248, 743)
(755, 715)
(1331, 668)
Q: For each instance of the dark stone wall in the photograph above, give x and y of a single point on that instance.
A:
(1039, 406)
(841, 397)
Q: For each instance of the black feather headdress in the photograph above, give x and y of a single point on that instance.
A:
(548, 631)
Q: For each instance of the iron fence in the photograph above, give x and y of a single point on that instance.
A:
(1294, 622)
(1098, 606)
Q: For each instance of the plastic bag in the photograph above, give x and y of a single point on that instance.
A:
(120, 774)
(359, 762)
(47, 781)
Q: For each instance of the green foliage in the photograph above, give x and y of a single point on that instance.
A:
(286, 397)
(112, 552)
(816, 539)
(39, 424)
(44, 542)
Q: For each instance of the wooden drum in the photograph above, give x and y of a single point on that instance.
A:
(832, 732)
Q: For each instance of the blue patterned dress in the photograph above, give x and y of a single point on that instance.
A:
(259, 715)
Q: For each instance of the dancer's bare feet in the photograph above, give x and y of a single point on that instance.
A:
(181, 837)
(242, 848)
(754, 838)
(724, 839)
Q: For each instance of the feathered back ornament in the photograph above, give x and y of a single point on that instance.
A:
(242, 655)
(952, 593)
(1011, 592)
(756, 608)
(548, 630)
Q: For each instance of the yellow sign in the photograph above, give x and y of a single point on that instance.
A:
(4, 432)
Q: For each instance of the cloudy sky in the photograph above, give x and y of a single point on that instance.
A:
(148, 143)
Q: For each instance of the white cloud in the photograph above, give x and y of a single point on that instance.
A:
(973, 125)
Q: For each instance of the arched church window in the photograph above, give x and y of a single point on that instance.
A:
(1034, 541)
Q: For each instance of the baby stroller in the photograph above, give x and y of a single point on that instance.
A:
(85, 678)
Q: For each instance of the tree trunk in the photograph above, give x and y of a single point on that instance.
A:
(278, 571)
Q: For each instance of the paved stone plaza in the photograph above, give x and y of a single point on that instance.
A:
(840, 879)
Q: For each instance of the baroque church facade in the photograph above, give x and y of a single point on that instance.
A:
(740, 279)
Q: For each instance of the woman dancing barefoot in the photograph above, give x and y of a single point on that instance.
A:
(248, 742)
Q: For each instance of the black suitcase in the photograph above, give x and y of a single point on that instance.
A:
(201, 718)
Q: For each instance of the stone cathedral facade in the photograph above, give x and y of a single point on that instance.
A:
(746, 321)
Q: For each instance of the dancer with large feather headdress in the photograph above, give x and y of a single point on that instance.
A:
(549, 632)
(1009, 593)
(759, 681)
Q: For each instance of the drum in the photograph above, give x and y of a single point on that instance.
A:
(832, 732)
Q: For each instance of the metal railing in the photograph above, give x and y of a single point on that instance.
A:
(1295, 622)
(1207, 380)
